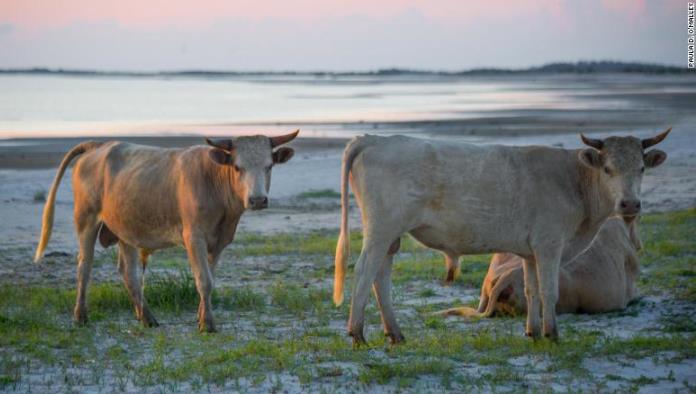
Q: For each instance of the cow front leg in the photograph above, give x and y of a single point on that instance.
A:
(369, 263)
(548, 263)
(198, 259)
(382, 290)
(531, 292)
(130, 270)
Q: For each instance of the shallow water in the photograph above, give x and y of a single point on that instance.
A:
(50, 105)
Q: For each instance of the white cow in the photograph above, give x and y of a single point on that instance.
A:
(601, 279)
(544, 204)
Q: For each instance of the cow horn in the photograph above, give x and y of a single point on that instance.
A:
(595, 143)
(224, 144)
(648, 142)
(283, 139)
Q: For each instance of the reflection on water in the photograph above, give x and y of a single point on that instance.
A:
(62, 105)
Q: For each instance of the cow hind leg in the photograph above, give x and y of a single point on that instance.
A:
(87, 228)
(382, 290)
(133, 278)
(531, 292)
(369, 263)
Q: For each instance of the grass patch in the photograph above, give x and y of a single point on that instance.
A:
(404, 372)
(284, 325)
(669, 254)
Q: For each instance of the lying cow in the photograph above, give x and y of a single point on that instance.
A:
(150, 198)
(601, 279)
(544, 204)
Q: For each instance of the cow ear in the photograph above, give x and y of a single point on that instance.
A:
(654, 158)
(591, 158)
(221, 157)
(282, 155)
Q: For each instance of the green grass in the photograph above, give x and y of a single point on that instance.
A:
(669, 255)
(285, 323)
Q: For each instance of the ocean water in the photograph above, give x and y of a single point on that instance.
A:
(57, 105)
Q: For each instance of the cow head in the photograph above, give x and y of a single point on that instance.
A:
(251, 160)
(621, 162)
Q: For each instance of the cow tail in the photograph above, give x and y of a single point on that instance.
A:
(343, 245)
(489, 310)
(48, 212)
(503, 282)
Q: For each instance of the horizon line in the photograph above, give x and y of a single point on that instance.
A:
(593, 66)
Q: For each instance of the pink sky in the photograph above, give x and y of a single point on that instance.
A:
(310, 34)
(154, 13)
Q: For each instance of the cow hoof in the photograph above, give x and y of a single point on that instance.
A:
(553, 335)
(150, 322)
(358, 340)
(80, 317)
(207, 327)
(532, 335)
(395, 339)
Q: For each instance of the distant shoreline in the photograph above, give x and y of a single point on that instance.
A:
(583, 67)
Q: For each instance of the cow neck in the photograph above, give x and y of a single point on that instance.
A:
(597, 201)
(232, 200)
(223, 179)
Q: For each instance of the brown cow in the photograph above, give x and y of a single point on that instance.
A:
(151, 198)
(602, 279)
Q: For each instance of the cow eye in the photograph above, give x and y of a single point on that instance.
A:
(238, 169)
(607, 170)
(642, 170)
(268, 168)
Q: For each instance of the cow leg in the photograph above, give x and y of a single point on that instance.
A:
(369, 263)
(452, 264)
(87, 229)
(548, 262)
(483, 299)
(213, 259)
(198, 258)
(382, 290)
(131, 270)
(531, 291)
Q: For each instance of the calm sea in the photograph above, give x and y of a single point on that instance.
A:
(50, 105)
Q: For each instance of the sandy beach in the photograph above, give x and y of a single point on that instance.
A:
(27, 167)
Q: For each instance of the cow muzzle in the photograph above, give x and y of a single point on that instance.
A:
(629, 208)
(257, 203)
